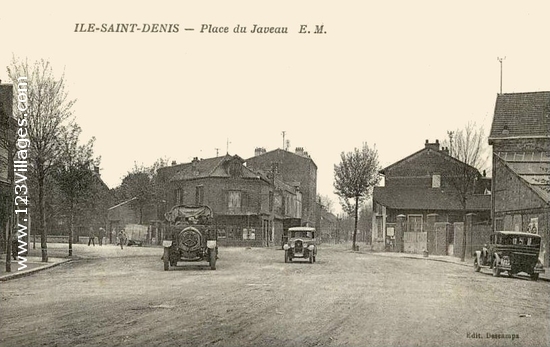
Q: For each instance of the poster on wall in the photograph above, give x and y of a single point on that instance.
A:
(533, 226)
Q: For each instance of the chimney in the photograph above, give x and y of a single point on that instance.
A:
(194, 166)
(445, 150)
(299, 150)
(257, 151)
(433, 146)
(96, 170)
(173, 162)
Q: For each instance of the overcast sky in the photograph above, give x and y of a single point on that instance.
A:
(391, 74)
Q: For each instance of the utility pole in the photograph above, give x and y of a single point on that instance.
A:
(217, 149)
(500, 60)
(227, 146)
(283, 139)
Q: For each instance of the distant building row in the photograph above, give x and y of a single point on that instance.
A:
(254, 200)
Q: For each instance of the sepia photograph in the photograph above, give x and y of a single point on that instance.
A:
(274, 173)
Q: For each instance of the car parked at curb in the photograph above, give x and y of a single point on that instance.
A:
(511, 252)
(301, 243)
(191, 236)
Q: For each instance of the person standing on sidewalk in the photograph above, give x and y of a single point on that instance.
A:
(100, 236)
(122, 237)
(91, 236)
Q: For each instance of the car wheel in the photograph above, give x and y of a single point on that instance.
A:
(212, 260)
(477, 268)
(314, 259)
(510, 273)
(166, 259)
(286, 256)
(535, 276)
(496, 270)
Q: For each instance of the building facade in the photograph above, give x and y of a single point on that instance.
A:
(250, 208)
(296, 169)
(7, 131)
(520, 138)
(418, 206)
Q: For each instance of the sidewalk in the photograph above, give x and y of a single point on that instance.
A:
(34, 264)
(444, 258)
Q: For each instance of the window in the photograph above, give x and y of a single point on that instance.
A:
(414, 223)
(199, 195)
(179, 196)
(234, 201)
(436, 181)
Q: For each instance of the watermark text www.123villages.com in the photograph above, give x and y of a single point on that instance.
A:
(21, 200)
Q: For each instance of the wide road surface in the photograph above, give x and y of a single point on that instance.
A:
(113, 297)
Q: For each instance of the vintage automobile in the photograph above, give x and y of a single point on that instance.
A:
(190, 236)
(512, 252)
(300, 244)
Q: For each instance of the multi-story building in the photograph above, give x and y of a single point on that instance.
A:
(520, 137)
(250, 207)
(7, 130)
(295, 169)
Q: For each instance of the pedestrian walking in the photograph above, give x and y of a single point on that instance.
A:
(91, 236)
(122, 237)
(100, 236)
(14, 245)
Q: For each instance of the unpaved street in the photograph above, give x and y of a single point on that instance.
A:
(113, 297)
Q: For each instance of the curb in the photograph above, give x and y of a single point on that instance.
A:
(440, 260)
(15, 275)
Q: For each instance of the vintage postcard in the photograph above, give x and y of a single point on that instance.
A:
(274, 173)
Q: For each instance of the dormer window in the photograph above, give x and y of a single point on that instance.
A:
(436, 181)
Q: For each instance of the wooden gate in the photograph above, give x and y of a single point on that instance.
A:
(415, 242)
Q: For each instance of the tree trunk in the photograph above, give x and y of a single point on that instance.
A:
(71, 232)
(463, 251)
(9, 243)
(356, 217)
(42, 218)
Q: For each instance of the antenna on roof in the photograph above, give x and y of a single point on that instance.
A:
(283, 138)
(500, 60)
(227, 146)
(217, 149)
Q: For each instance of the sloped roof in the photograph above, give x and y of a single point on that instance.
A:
(521, 115)
(535, 174)
(443, 154)
(211, 167)
(415, 198)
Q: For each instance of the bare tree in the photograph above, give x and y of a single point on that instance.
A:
(467, 146)
(326, 202)
(142, 184)
(48, 110)
(73, 174)
(354, 178)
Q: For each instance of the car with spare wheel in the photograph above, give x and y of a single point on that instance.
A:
(512, 252)
(190, 236)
